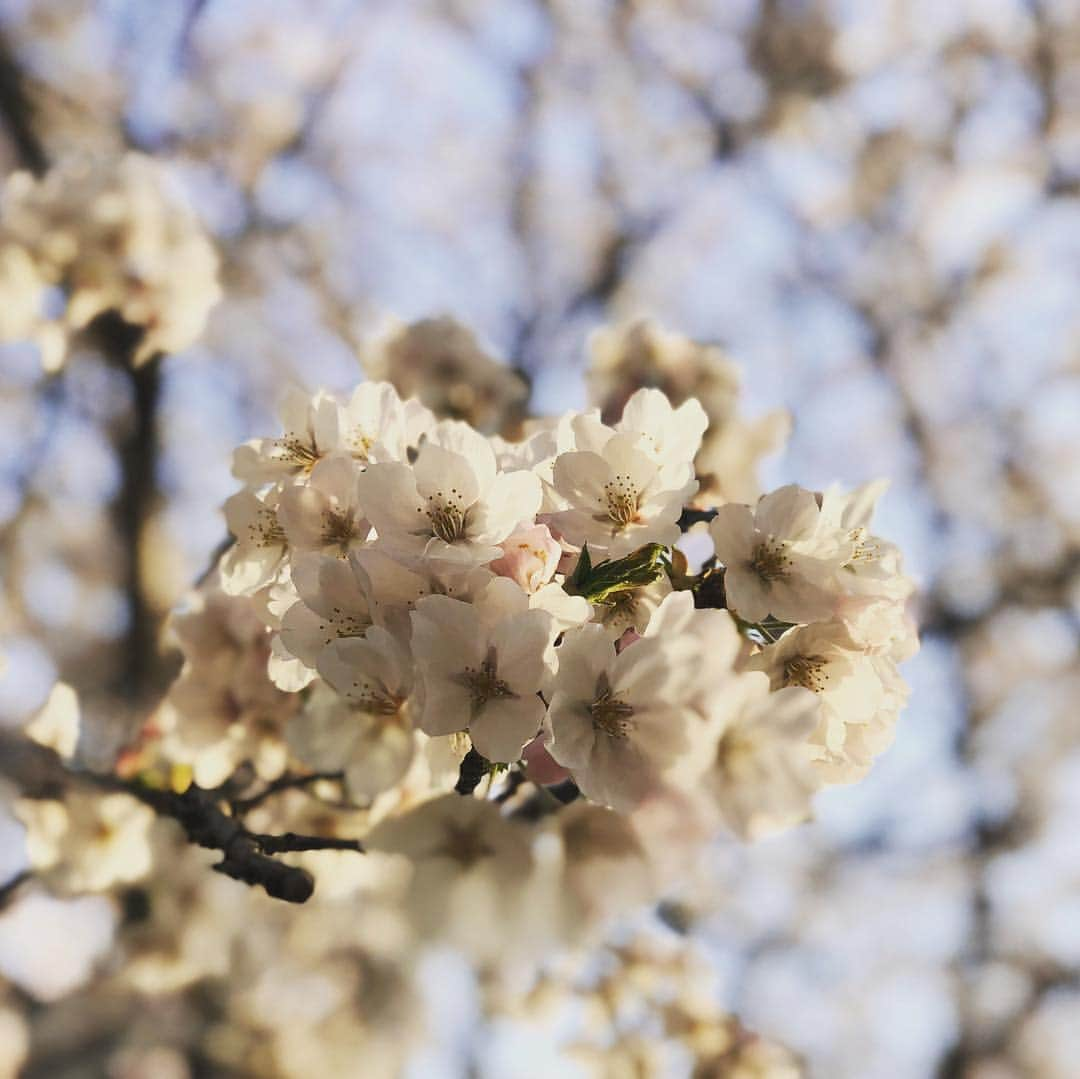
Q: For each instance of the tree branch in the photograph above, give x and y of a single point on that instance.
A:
(17, 113)
(40, 773)
(286, 782)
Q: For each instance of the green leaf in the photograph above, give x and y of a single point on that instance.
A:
(601, 582)
(581, 573)
(768, 631)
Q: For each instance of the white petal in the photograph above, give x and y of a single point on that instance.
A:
(512, 498)
(504, 726)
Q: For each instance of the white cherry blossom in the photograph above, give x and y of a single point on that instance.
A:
(364, 729)
(669, 436)
(453, 503)
(618, 721)
(761, 777)
(481, 666)
(775, 560)
(859, 694)
(325, 514)
(258, 555)
(312, 428)
(376, 425)
(618, 498)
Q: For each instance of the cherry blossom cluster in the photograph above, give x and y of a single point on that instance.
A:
(94, 236)
(495, 660)
(406, 598)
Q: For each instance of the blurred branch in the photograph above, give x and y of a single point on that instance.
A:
(40, 773)
(17, 112)
(137, 453)
(287, 782)
(10, 889)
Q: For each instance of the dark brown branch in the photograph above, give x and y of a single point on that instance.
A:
(137, 452)
(691, 517)
(473, 768)
(39, 772)
(289, 781)
(10, 888)
(17, 113)
(290, 841)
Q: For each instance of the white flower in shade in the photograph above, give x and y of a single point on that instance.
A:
(727, 465)
(373, 673)
(775, 560)
(325, 514)
(469, 866)
(56, 724)
(482, 665)
(441, 362)
(258, 556)
(859, 694)
(223, 708)
(336, 600)
(618, 498)
(761, 776)
(566, 611)
(312, 428)
(619, 722)
(453, 503)
(365, 729)
(604, 869)
(89, 842)
(631, 608)
(875, 586)
(669, 436)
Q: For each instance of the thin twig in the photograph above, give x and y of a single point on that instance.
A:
(9, 889)
(289, 781)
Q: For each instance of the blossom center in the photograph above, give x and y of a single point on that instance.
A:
(623, 500)
(374, 699)
(865, 548)
(447, 516)
(464, 846)
(265, 531)
(734, 754)
(302, 454)
(769, 560)
(810, 672)
(609, 714)
(338, 529)
(484, 683)
(360, 445)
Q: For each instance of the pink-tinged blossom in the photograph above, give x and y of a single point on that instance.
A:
(530, 557)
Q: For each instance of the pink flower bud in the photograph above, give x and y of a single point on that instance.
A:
(539, 765)
(530, 557)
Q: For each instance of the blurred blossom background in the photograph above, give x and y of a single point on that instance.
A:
(870, 204)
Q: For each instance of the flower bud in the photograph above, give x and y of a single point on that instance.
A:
(530, 557)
